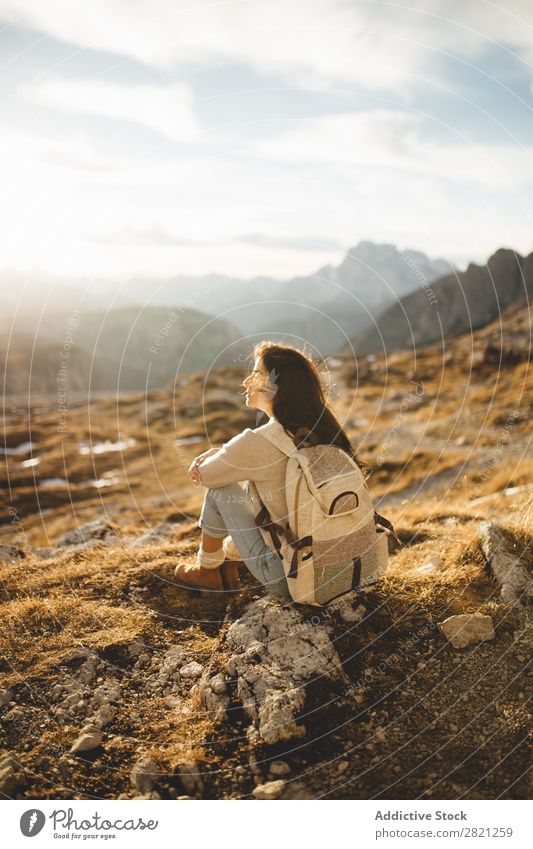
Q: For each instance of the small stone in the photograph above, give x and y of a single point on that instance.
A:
(10, 775)
(342, 766)
(172, 702)
(191, 670)
(145, 774)
(136, 648)
(5, 697)
(430, 567)
(87, 741)
(466, 629)
(109, 691)
(218, 684)
(349, 614)
(270, 790)
(296, 790)
(279, 768)
(104, 715)
(14, 714)
(190, 777)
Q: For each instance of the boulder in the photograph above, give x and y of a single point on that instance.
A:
(274, 651)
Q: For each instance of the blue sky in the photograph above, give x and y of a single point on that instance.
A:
(157, 138)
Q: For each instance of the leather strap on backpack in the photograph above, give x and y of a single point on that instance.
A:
(296, 544)
(264, 520)
(381, 520)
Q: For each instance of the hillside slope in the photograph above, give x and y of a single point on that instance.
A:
(115, 682)
(451, 305)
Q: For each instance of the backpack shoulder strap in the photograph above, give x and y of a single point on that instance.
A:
(274, 432)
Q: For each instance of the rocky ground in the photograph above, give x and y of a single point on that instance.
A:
(117, 683)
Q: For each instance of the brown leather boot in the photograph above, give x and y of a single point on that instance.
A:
(192, 576)
(230, 574)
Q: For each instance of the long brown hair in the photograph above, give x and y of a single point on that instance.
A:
(299, 400)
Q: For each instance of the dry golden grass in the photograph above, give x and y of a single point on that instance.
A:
(443, 453)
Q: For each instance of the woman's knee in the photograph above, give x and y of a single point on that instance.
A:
(230, 492)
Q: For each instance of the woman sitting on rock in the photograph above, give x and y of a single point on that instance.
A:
(286, 385)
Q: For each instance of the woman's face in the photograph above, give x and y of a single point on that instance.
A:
(259, 392)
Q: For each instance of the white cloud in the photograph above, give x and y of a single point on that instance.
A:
(165, 109)
(335, 179)
(306, 41)
(392, 140)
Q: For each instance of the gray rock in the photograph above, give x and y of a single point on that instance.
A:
(14, 714)
(104, 715)
(190, 777)
(155, 535)
(348, 607)
(508, 567)
(279, 768)
(145, 774)
(274, 652)
(212, 691)
(88, 740)
(9, 553)
(191, 670)
(296, 790)
(99, 529)
(5, 697)
(109, 691)
(218, 684)
(10, 772)
(87, 671)
(466, 629)
(137, 647)
(270, 790)
(172, 660)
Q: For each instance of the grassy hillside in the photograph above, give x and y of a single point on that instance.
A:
(97, 632)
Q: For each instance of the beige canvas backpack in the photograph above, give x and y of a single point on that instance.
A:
(334, 541)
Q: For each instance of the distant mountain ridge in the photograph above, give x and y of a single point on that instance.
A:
(123, 349)
(458, 303)
(326, 308)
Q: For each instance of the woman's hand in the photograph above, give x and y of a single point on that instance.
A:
(194, 472)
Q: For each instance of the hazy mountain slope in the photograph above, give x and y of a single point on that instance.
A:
(336, 303)
(452, 305)
(122, 349)
(326, 308)
(29, 367)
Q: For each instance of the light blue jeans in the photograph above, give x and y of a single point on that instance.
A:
(230, 510)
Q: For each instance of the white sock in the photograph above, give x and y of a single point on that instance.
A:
(210, 559)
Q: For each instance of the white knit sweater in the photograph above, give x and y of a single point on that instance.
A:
(250, 456)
